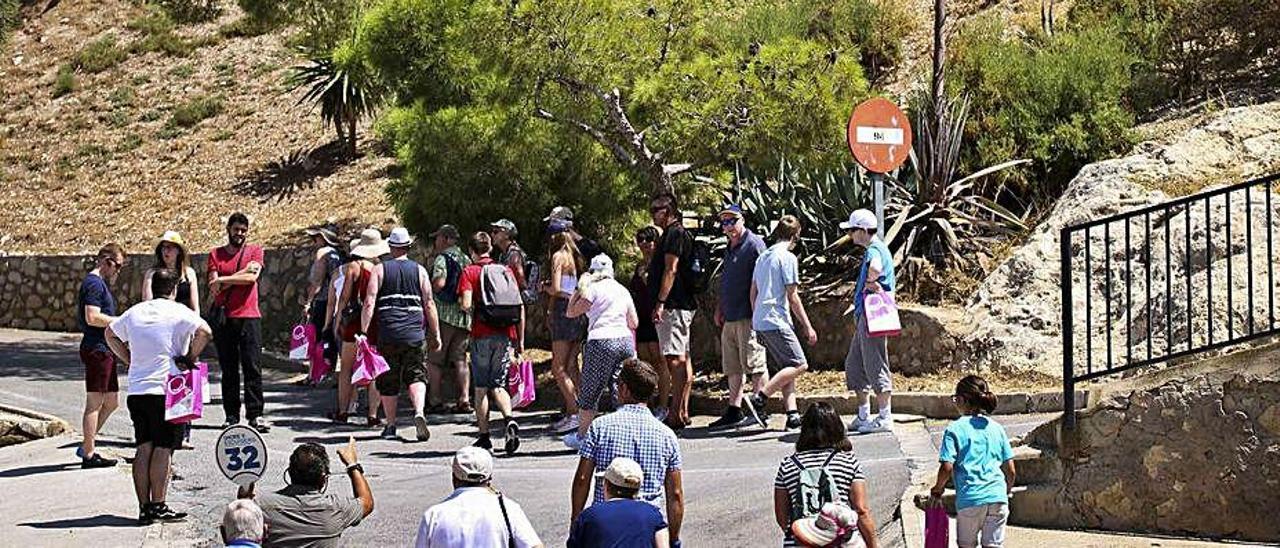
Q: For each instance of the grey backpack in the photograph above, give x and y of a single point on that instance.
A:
(500, 301)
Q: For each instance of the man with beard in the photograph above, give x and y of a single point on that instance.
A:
(233, 281)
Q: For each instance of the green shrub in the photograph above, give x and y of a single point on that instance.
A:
(157, 28)
(123, 96)
(99, 55)
(875, 29)
(268, 13)
(130, 142)
(10, 17)
(190, 11)
(1059, 101)
(196, 110)
(183, 71)
(116, 118)
(65, 82)
(154, 21)
(1190, 49)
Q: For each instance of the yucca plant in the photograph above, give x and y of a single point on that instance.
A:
(931, 214)
(345, 96)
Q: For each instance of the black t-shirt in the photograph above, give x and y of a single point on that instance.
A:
(675, 241)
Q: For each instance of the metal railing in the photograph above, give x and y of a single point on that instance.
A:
(1163, 282)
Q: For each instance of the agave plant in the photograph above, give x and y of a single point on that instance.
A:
(933, 215)
(820, 199)
(345, 96)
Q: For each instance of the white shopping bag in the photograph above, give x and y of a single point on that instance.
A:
(882, 315)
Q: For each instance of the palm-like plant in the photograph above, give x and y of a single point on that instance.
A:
(935, 216)
(345, 96)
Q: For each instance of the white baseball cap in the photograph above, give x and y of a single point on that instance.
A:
(624, 472)
(860, 219)
(601, 263)
(473, 464)
(559, 213)
(399, 237)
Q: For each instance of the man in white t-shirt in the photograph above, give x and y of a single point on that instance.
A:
(154, 338)
(475, 515)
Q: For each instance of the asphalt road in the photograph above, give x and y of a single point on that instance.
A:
(728, 475)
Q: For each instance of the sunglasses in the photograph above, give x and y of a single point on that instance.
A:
(114, 263)
(729, 222)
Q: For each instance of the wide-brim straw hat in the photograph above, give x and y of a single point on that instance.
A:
(371, 245)
(173, 237)
(823, 528)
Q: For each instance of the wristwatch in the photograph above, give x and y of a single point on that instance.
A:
(355, 466)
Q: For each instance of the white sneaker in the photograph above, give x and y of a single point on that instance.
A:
(859, 423)
(567, 424)
(878, 424)
(571, 441)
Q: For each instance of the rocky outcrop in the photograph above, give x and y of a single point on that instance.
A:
(20, 426)
(1017, 310)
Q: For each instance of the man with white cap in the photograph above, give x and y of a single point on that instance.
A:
(866, 367)
(402, 299)
(612, 320)
(475, 515)
(621, 520)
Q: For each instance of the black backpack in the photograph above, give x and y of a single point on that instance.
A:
(499, 303)
(698, 277)
(453, 273)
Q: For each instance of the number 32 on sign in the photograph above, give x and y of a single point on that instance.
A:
(242, 455)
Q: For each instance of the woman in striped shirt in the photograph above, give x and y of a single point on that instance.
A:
(823, 469)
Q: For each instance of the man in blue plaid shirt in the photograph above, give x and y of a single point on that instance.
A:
(633, 432)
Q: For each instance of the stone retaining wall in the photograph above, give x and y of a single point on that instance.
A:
(39, 292)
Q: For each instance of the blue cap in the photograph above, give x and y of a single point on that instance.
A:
(732, 209)
(557, 226)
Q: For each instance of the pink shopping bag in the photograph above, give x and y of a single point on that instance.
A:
(302, 339)
(206, 395)
(936, 527)
(522, 384)
(315, 357)
(369, 364)
(183, 401)
(882, 315)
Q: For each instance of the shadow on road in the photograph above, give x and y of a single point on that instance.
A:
(100, 520)
(41, 469)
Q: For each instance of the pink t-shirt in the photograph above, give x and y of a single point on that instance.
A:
(241, 300)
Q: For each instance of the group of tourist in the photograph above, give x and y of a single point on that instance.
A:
(465, 313)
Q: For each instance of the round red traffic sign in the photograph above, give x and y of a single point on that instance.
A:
(879, 135)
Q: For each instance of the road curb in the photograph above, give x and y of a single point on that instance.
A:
(927, 404)
(29, 425)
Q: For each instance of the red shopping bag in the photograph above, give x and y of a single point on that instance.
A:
(369, 364)
(936, 527)
(522, 384)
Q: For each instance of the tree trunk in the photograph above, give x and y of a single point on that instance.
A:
(351, 136)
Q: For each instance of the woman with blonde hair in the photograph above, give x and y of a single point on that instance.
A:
(171, 254)
(566, 333)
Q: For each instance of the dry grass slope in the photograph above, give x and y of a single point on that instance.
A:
(155, 142)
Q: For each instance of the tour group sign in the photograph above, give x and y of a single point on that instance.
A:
(880, 139)
(241, 454)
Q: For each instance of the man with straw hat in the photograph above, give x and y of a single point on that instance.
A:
(401, 295)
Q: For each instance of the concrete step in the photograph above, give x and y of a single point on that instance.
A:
(1033, 466)
(1034, 505)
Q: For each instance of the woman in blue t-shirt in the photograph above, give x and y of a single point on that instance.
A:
(976, 450)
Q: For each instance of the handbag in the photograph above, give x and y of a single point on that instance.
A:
(183, 399)
(369, 364)
(882, 315)
(936, 527)
(521, 384)
(216, 317)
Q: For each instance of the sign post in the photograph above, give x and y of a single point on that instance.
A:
(880, 139)
(241, 455)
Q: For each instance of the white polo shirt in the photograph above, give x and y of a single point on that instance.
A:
(471, 517)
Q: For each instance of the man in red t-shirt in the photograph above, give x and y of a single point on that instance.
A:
(490, 349)
(233, 282)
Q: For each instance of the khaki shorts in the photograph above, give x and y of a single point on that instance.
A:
(673, 332)
(740, 352)
(453, 347)
(982, 525)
